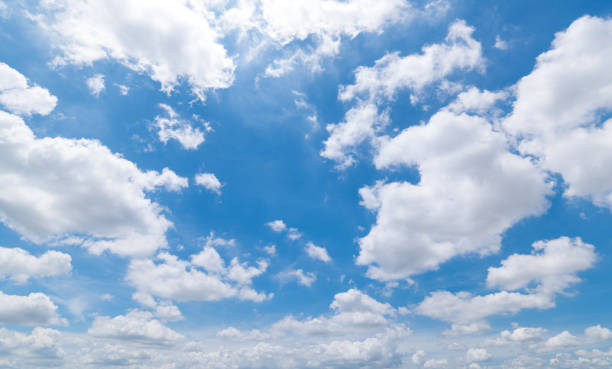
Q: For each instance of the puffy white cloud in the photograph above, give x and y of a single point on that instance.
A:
(393, 72)
(466, 311)
(56, 187)
(353, 312)
(477, 355)
(552, 265)
(471, 190)
(300, 19)
(317, 252)
(19, 265)
(209, 181)
(598, 333)
(500, 44)
(563, 339)
(172, 278)
(303, 278)
(173, 127)
(277, 226)
(361, 123)
(476, 101)
(168, 312)
(326, 22)
(138, 326)
(168, 41)
(18, 96)
(354, 300)
(33, 309)
(235, 334)
(559, 107)
(96, 84)
(390, 74)
(40, 344)
(520, 335)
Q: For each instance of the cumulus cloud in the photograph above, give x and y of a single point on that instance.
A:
(317, 252)
(391, 73)
(552, 266)
(205, 278)
(476, 355)
(303, 278)
(466, 312)
(138, 326)
(171, 126)
(352, 312)
(209, 181)
(40, 345)
(168, 41)
(471, 190)
(557, 115)
(19, 265)
(520, 335)
(33, 309)
(54, 188)
(19, 96)
(326, 22)
(279, 226)
(96, 84)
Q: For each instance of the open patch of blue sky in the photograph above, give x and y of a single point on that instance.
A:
(308, 184)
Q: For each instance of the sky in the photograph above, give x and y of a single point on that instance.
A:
(305, 184)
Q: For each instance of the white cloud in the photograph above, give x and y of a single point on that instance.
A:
(563, 339)
(168, 41)
(19, 265)
(436, 363)
(471, 190)
(270, 250)
(303, 278)
(317, 252)
(123, 89)
(136, 326)
(277, 226)
(474, 355)
(393, 72)
(463, 310)
(54, 188)
(390, 74)
(18, 96)
(96, 84)
(552, 265)
(500, 44)
(168, 312)
(417, 357)
(173, 127)
(598, 333)
(361, 123)
(33, 309)
(326, 22)
(557, 115)
(520, 335)
(476, 101)
(40, 344)
(171, 278)
(209, 181)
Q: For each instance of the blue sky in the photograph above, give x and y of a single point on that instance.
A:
(306, 184)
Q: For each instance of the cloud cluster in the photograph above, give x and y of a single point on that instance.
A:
(19, 265)
(206, 277)
(551, 268)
